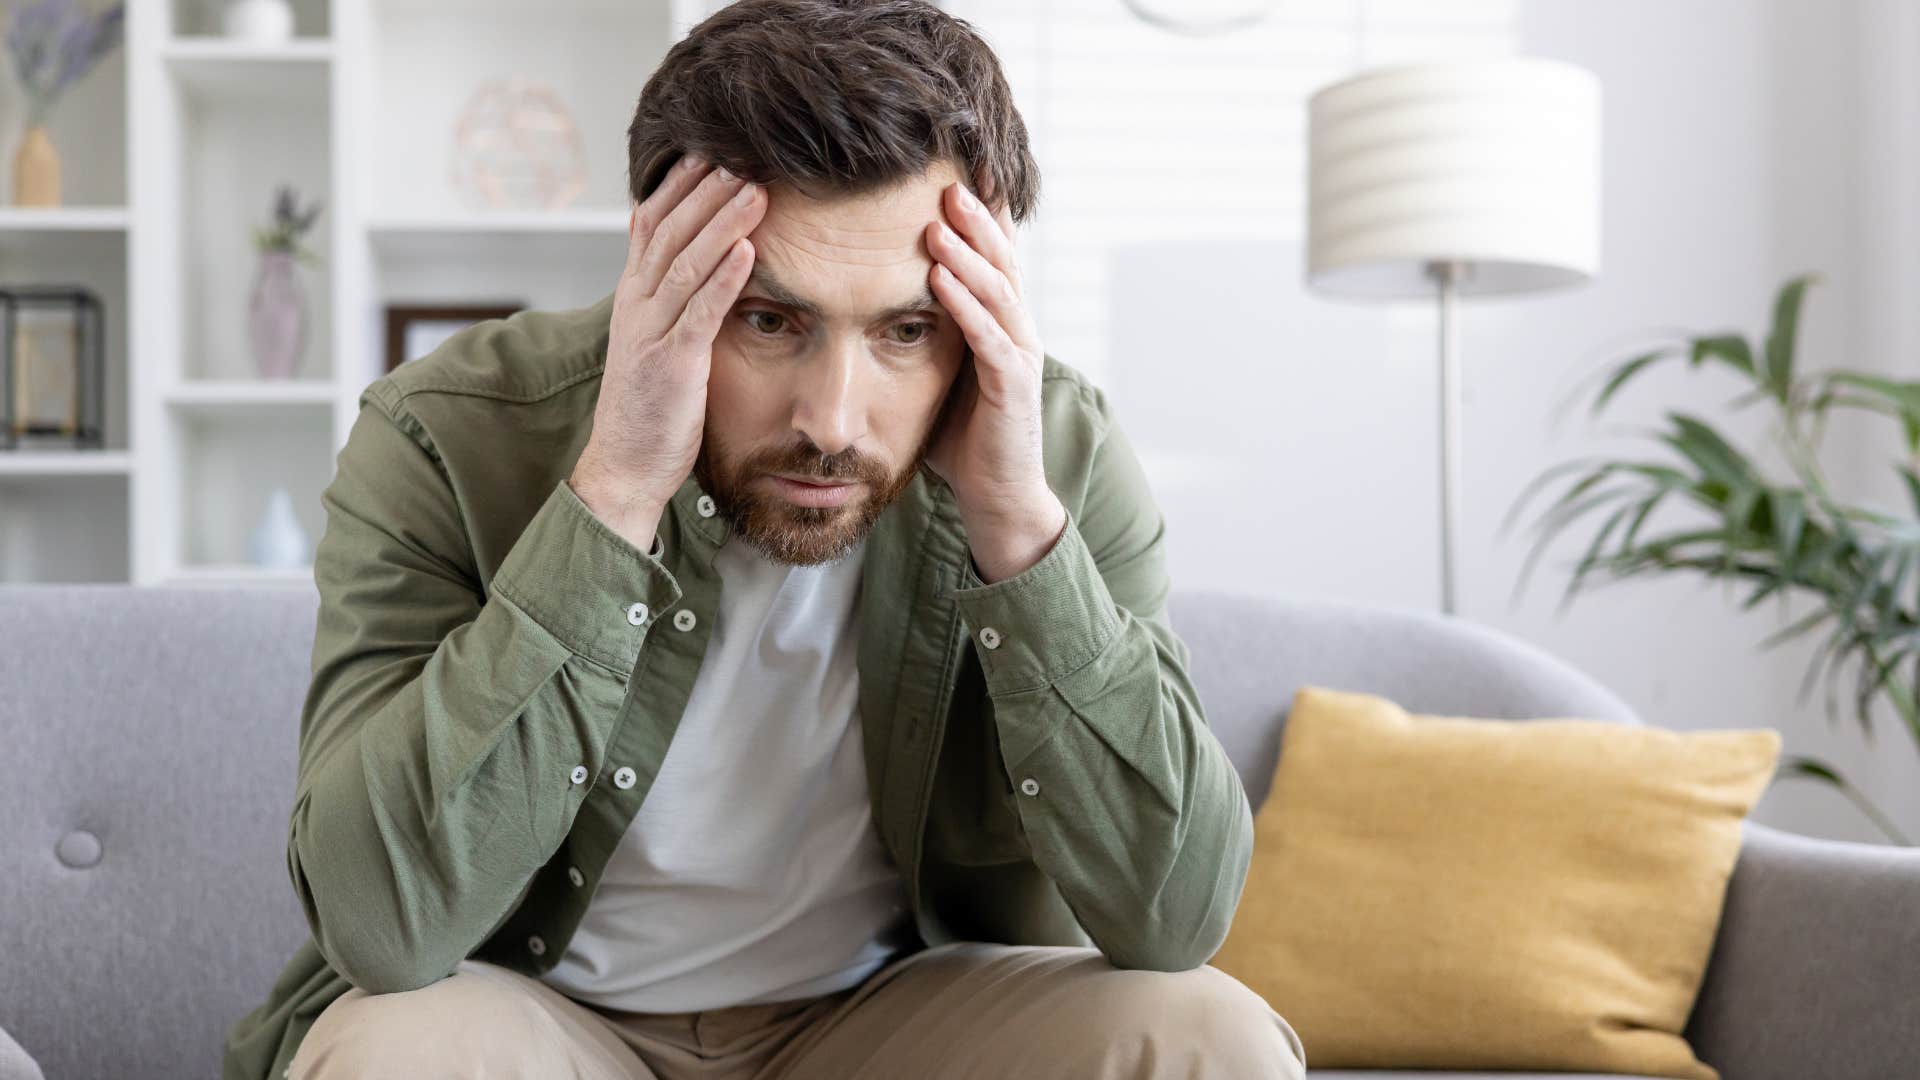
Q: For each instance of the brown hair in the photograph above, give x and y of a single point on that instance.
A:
(834, 97)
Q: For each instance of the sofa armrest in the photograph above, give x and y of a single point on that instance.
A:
(15, 1064)
(1816, 970)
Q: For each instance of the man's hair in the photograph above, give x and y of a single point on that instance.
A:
(834, 98)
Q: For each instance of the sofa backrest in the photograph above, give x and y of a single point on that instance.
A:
(148, 740)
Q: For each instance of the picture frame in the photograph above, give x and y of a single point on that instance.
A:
(414, 330)
(52, 367)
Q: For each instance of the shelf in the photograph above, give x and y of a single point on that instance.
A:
(237, 70)
(56, 463)
(62, 219)
(567, 236)
(211, 394)
(210, 47)
(598, 222)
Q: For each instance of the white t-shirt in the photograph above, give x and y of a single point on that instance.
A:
(752, 872)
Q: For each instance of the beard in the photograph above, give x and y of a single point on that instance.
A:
(788, 533)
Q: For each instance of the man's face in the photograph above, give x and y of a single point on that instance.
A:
(833, 364)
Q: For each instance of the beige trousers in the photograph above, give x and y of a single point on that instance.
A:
(964, 1009)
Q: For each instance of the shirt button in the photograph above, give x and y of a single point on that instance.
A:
(574, 875)
(704, 505)
(624, 778)
(636, 613)
(684, 619)
(989, 637)
(579, 774)
(536, 946)
(1030, 786)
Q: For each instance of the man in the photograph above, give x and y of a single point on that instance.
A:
(764, 672)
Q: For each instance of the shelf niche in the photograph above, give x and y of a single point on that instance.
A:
(231, 460)
(246, 128)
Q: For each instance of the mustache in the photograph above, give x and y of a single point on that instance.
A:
(846, 465)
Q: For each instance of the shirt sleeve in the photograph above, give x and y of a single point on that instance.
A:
(1129, 802)
(449, 733)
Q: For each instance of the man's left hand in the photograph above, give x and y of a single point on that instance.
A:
(989, 448)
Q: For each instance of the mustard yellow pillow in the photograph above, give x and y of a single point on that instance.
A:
(1458, 893)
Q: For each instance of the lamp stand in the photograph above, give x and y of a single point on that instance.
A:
(1447, 274)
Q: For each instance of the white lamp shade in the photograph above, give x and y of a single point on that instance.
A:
(1495, 163)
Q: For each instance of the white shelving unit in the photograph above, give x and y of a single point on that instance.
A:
(173, 151)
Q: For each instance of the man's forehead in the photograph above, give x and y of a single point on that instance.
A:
(867, 251)
(857, 227)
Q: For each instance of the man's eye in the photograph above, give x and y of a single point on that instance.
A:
(751, 315)
(923, 330)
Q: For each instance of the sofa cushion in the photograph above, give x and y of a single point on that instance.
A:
(1460, 893)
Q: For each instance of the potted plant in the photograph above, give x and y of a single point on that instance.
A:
(278, 312)
(54, 43)
(1778, 536)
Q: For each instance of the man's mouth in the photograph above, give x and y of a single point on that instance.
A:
(812, 481)
(812, 491)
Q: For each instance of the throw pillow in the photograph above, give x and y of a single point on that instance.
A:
(1460, 893)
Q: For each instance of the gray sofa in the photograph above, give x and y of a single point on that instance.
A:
(147, 768)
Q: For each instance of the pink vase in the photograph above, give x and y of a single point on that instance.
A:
(277, 319)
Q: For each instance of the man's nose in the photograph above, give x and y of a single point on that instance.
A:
(830, 401)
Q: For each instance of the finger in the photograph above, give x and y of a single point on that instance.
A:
(1004, 215)
(972, 220)
(682, 224)
(697, 261)
(646, 216)
(993, 350)
(699, 322)
(985, 282)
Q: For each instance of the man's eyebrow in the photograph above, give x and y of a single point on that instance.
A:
(763, 278)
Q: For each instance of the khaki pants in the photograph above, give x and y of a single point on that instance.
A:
(964, 1009)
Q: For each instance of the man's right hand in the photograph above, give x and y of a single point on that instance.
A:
(687, 260)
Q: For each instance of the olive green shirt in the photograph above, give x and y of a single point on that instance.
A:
(497, 675)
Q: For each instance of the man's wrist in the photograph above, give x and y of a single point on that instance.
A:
(1006, 544)
(636, 520)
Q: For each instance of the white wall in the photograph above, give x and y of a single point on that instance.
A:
(1291, 437)
(1746, 142)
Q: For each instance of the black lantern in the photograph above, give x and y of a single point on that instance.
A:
(52, 366)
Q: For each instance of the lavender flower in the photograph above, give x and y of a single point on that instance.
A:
(289, 222)
(55, 43)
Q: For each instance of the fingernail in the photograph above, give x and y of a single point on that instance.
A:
(746, 194)
(967, 200)
(727, 177)
(689, 163)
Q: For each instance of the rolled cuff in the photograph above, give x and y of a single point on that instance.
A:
(584, 583)
(1045, 622)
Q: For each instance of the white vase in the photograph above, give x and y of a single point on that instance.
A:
(265, 21)
(279, 543)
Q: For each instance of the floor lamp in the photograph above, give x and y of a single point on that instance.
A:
(1463, 178)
